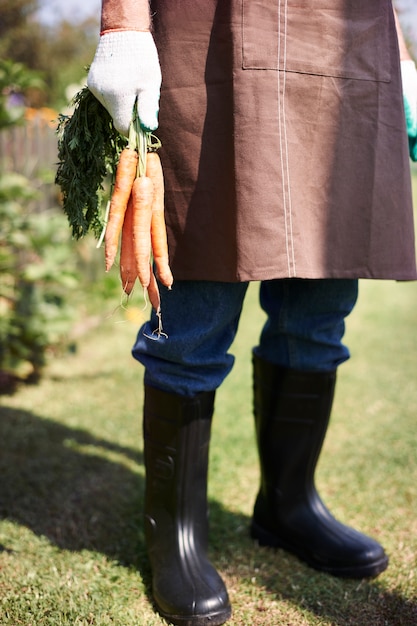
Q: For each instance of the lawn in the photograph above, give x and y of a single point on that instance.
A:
(71, 542)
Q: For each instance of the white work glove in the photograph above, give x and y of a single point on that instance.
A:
(409, 84)
(125, 68)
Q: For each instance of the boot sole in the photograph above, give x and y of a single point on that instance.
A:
(369, 570)
(211, 619)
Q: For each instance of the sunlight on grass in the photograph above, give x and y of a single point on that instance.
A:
(71, 539)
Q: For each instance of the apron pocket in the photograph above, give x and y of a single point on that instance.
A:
(325, 37)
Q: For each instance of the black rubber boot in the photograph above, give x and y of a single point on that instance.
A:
(187, 589)
(292, 411)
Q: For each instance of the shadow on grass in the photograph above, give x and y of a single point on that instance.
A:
(282, 577)
(78, 491)
(85, 493)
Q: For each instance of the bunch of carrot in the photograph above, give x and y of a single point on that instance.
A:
(136, 217)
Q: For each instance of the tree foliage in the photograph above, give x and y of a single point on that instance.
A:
(37, 265)
(60, 54)
(14, 78)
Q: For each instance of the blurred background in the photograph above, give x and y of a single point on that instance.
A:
(45, 48)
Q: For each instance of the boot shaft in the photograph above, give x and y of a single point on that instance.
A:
(186, 587)
(176, 448)
(292, 411)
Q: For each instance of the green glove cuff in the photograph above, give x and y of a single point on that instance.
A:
(410, 118)
(412, 144)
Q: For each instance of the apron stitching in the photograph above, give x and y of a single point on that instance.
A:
(283, 139)
(286, 145)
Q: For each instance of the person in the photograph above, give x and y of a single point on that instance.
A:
(286, 161)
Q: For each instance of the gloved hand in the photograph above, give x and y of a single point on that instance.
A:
(126, 67)
(409, 83)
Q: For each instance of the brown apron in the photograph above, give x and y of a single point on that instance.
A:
(284, 144)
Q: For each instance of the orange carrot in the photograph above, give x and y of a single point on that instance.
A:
(153, 291)
(125, 175)
(142, 196)
(158, 227)
(127, 251)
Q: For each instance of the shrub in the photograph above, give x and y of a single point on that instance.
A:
(36, 275)
(37, 263)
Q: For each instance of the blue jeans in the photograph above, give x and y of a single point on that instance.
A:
(304, 330)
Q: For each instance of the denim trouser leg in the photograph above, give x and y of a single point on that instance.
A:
(304, 330)
(305, 323)
(201, 320)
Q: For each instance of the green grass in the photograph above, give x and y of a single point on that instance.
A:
(71, 542)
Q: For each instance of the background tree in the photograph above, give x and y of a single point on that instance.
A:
(60, 53)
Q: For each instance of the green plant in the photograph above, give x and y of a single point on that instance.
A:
(35, 277)
(37, 265)
(15, 78)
